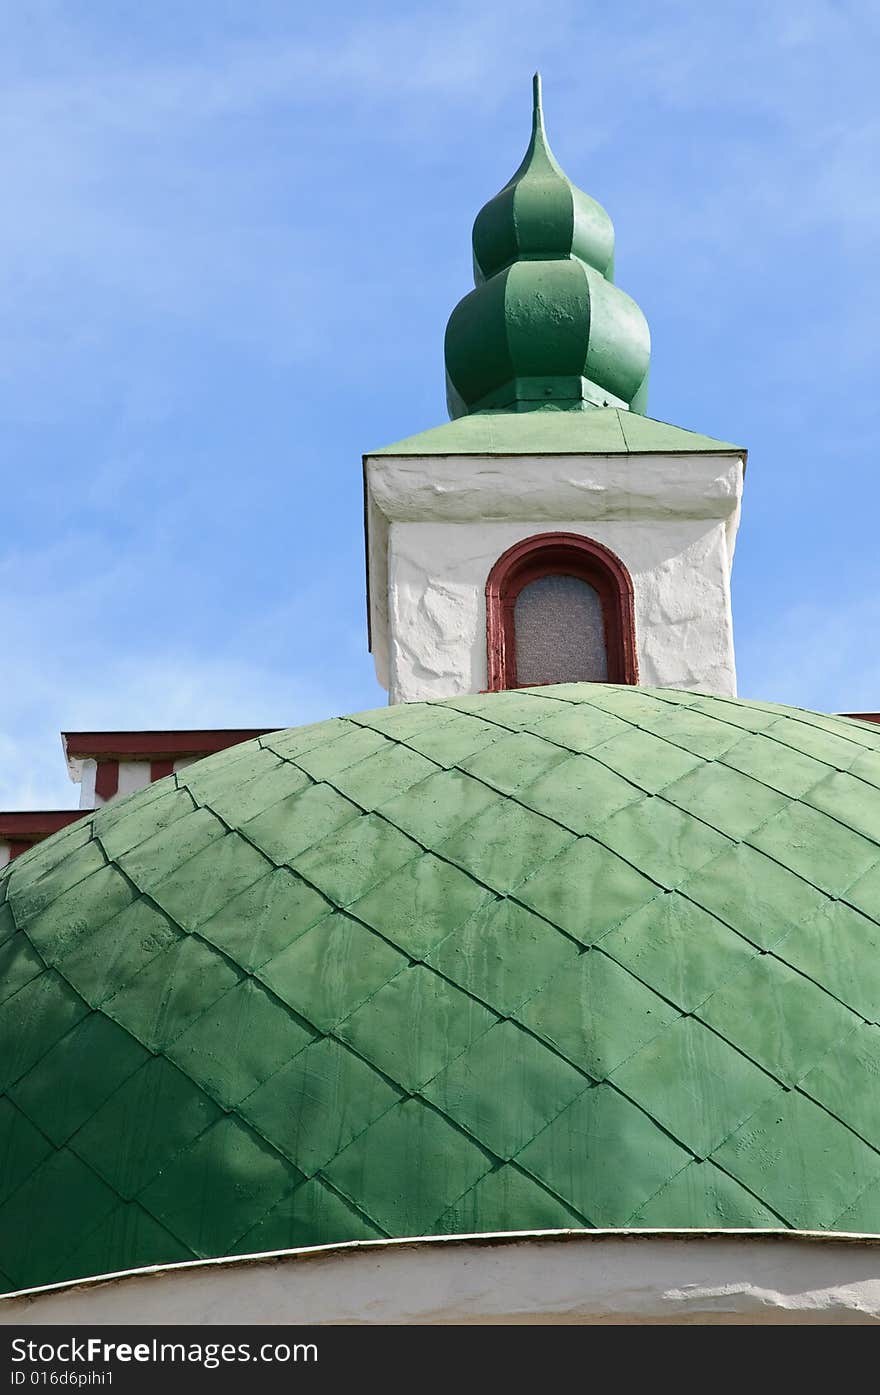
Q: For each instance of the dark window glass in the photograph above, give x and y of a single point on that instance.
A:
(560, 632)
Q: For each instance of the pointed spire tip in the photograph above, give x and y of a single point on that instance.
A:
(537, 108)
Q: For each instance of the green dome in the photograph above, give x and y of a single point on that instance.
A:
(580, 956)
(545, 324)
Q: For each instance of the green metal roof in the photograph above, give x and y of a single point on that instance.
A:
(549, 431)
(581, 956)
(545, 321)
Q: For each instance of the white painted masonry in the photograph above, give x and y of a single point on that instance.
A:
(133, 775)
(548, 1277)
(84, 772)
(437, 524)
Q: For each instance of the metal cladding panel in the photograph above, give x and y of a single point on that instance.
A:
(585, 955)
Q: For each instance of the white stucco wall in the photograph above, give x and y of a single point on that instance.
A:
(437, 525)
(548, 1277)
(133, 775)
(85, 772)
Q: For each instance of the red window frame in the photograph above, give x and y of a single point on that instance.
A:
(559, 554)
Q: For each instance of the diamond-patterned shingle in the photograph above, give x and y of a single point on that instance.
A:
(505, 1088)
(502, 954)
(292, 825)
(315, 1105)
(312, 1214)
(255, 1176)
(587, 1155)
(407, 1168)
(415, 1025)
(803, 1162)
(681, 950)
(507, 1199)
(421, 903)
(695, 1084)
(596, 1013)
(577, 956)
(313, 974)
(587, 890)
(702, 1196)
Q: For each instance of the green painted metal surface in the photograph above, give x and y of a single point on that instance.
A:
(594, 431)
(578, 956)
(545, 323)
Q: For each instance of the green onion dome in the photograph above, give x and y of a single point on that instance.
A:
(545, 324)
(571, 957)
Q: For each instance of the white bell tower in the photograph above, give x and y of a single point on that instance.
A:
(551, 531)
(444, 507)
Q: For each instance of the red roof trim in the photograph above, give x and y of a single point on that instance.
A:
(107, 779)
(32, 825)
(155, 745)
(863, 716)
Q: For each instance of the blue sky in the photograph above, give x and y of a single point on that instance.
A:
(233, 232)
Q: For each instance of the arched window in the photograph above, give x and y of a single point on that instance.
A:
(559, 609)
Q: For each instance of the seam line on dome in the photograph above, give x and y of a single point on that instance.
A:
(770, 954)
(598, 839)
(662, 737)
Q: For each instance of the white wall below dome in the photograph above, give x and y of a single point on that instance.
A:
(436, 526)
(548, 1277)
